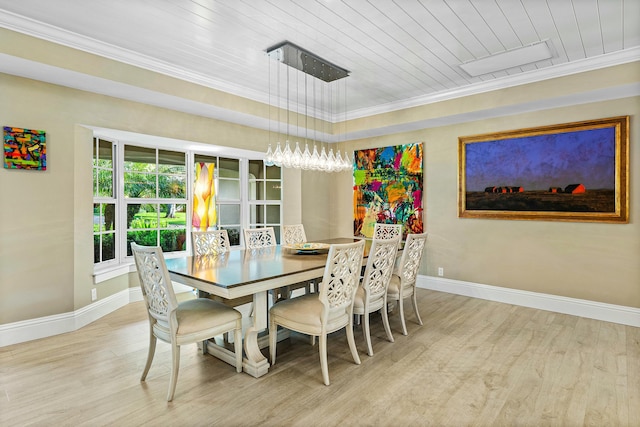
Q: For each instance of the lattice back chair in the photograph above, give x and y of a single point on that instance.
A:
(372, 292)
(403, 282)
(255, 238)
(292, 234)
(215, 243)
(210, 242)
(259, 238)
(330, 310)
(387, 231)
(188, 322)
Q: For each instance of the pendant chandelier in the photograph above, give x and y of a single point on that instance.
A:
(313, 78)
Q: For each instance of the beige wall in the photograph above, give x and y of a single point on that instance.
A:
(592, 261)
(45, 217)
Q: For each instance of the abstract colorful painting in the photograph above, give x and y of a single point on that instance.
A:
(204, 198)
(388, 188)
(24, 149)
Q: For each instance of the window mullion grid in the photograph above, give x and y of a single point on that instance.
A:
(244, 197)
(157, 203)
(121, 203)
(189, 196)
(122, 208)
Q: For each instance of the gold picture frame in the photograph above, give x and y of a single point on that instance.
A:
(566, 172)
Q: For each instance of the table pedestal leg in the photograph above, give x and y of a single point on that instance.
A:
(255, 364)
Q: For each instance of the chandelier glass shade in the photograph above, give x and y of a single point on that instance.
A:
(289, 58)
(306, 160)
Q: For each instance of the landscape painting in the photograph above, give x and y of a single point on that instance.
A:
(388, 188)
(567, 172)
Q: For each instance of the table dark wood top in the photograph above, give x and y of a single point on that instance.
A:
(239, 268)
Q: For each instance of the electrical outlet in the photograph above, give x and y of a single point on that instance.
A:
(94, 294)
(440, 271)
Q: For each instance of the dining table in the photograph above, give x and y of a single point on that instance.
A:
(245, 272)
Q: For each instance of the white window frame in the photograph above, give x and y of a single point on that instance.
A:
(124, 264)
(125, 201)
(108, 200)
(264, 202)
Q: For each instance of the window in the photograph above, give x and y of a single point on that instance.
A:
(143, 194)
(155, 190)
(104, 202)
(265, 195)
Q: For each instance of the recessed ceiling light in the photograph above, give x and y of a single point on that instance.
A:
(509, 59)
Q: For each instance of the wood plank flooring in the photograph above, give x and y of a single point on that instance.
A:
(473, 363)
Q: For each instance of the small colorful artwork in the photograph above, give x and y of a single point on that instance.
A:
(24, 149)
(388, 188)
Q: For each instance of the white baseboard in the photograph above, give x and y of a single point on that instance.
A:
(577, 307)
(32, 329)
(42, 327)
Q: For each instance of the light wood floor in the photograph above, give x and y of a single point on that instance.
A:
(473, 362)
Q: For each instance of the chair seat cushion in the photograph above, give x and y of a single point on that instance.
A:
(303, 313)
(303, 309)
(358, 302)
(202, 313)
(375, 302)
(393, 291)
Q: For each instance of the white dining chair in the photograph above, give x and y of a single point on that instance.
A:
(188, 322)
(371, 295)
(214, 243)
(327, 311)
(387, 231)
(292, 234)
(403, 281)
(210, 242)
(255, 238)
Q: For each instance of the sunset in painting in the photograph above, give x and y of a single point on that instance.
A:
(563, 169)
(544, 161)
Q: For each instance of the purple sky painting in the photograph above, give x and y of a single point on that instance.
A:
(539, 162)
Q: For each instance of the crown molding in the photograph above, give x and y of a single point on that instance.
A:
(598, 95)
(55, 75)
(40, 30)
(552, 72)
(56, 35)
(73, 79)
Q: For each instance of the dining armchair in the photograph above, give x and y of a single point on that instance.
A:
(188, 322)
(403, 281)
(371, 295)
(387, 231)
(255, 238)
(329, 310)
(210, 242)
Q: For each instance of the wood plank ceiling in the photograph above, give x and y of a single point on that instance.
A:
(398, 51)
